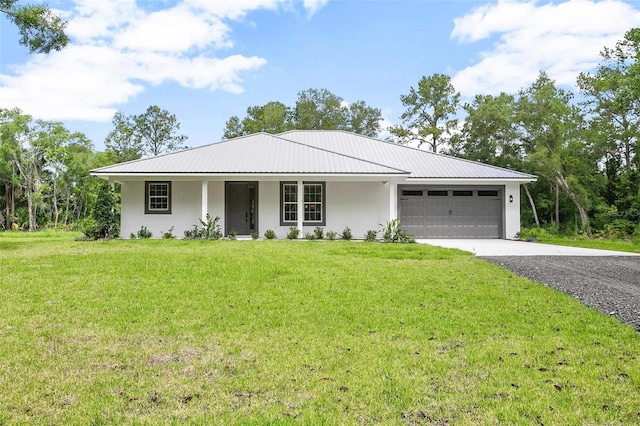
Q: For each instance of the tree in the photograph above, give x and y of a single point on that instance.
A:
(489, 133)
(104, 213)
(40, 29)
(315, 109)
(550, 129)
(319, 109)
(430, 115)
(122, 141)
(152, 133)
(157, 129)
(272, 117)
(613, 104)
(363, 119)
(13, 126)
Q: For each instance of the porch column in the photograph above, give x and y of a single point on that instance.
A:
(205, 199)
(393, 200)
(300, 208)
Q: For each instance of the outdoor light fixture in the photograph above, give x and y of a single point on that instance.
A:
(511, 198)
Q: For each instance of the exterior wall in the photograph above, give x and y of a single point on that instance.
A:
(215, 205)
(359, 205)
(512, 210)
(185, 209)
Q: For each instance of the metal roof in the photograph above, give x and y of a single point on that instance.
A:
(260, 153)
(422, 164)
(312, 152)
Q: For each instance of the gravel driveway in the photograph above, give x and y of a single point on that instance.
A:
(609, 284)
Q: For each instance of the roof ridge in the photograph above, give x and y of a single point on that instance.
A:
(396, 145)
(338, 153)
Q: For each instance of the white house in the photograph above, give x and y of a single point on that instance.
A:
(331, 179)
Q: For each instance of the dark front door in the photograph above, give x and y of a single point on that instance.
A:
(241, 207)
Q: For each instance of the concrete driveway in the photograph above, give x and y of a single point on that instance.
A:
(518, 248)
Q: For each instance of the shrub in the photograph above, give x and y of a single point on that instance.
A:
(132, 236)
(293, 234)
(89, 228)
(310, 236)
(392, 233)
(194, 234)
(371, 235)
(209, 230)
(346, 234)
(331, 235)
(168, 235)
(318, 232)
(144, 233)
(104, 219)
(233, 234)
(269, 234)
(255, 235)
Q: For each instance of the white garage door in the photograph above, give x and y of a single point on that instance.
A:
(451, 213)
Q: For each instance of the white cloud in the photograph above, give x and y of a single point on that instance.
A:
(177, 29)
(313, 6)
(562, 39)
(119, 49)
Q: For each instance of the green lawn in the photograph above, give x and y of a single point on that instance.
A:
(631, 245)
(602, 244)
(312, 332)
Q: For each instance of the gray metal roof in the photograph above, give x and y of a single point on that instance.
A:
(312, 152)
(422, 164)
(260, 153)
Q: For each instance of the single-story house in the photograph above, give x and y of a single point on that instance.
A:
(331, 179)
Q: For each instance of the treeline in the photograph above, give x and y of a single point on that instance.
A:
(583, 146)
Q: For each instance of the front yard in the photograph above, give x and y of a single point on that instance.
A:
(319, 332)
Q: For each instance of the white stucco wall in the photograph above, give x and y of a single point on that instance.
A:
(512, 210)
(361, 206)
(185, 209)
(215, 199)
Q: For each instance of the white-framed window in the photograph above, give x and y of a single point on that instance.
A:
(313, 203)
(157, 197)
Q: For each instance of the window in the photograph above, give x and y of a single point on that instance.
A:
(482, 193)
(437, 193)
(411, 193)
(313, 203)
(157, 197)
(463, 193)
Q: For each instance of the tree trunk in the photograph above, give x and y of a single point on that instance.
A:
(533, 205)
(56, 213)
(584, 218)
(557, 205)
(30, 209)
(8, 218)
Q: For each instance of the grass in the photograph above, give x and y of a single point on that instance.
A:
(280, 332)
(631, 246)
(542, 235)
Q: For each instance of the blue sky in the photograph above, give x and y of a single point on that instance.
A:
(206, 60)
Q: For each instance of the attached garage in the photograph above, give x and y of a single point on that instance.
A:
(452, 212)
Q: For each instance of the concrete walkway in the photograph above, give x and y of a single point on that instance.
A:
(518, 248)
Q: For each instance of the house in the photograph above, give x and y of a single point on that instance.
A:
(331, 179)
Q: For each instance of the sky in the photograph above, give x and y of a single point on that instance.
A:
(207, 60)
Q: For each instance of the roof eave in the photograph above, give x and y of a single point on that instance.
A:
(202, 176)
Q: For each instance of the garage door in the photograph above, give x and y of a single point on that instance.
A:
(451, 213)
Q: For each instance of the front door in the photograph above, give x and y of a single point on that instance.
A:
(241, 207)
